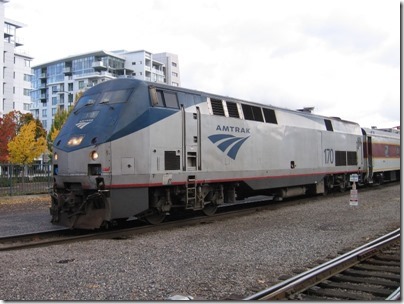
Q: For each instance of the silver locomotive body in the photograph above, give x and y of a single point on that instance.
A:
(137, 149)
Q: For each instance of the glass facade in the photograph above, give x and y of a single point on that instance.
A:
(76, 74)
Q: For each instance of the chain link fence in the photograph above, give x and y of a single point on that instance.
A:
(25, 179)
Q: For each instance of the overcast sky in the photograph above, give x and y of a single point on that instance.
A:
(341, 57)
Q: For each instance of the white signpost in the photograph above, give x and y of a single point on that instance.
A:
(353, 200)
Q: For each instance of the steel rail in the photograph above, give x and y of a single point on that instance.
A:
(396, 295)
(313, 276)
(125, 232)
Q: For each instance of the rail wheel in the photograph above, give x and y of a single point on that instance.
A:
(156, 217)
(209, 209)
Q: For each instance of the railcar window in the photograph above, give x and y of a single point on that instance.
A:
(217, 107)
(171, 100)
(328, 125)
(160, 99)
(86, 100)
(252, 113)
(270, 116)
(118, 96)
(386, 151)
(163, 98)
(232, 109)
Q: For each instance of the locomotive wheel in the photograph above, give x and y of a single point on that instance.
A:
(155, 218)
(209, 209)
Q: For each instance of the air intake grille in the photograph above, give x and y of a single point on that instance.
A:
(171, 160)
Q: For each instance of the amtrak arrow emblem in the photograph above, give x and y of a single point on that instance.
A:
(83, 123)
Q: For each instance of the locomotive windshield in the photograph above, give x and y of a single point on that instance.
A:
(108, 97)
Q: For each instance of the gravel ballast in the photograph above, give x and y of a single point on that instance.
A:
(213, 261)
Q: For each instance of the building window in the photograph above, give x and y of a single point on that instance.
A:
(44, 124)
(174, 74)
(27, 63)
(81, 84)
(174, 64)
(54, 101)
(44, 113)
(27, 92)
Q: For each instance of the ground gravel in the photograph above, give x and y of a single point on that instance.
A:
(214, 261)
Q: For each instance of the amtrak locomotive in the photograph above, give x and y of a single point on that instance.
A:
(132, 148)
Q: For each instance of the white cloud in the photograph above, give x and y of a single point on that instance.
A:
(340, 56)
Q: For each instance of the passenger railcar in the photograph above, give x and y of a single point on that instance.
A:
(137, 149)
(381, 155)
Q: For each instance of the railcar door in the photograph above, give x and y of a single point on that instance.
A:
(191, 139)
(370, 158)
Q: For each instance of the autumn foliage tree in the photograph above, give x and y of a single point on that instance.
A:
(10, 126)
(25, 146)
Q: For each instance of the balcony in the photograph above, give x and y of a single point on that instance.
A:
(43, 98)
(67, 71)
(158, 72)
(99, 65)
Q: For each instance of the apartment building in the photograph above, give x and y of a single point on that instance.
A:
(55, 84)
(15, 68)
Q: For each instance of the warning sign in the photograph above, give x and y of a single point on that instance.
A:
(353, 200)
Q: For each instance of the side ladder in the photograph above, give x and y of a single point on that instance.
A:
(191, 192)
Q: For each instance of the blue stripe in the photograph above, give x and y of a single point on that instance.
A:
(224, 145)
(217, 137)
(234, 150)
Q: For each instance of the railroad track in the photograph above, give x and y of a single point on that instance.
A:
(63, 236)
(249, 206)
(370, 272)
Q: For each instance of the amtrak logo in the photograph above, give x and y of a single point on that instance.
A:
(81, 124)
(228, 142)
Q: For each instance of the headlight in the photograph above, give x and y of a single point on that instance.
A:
(75, 140)
(94, 155)
(55, 156)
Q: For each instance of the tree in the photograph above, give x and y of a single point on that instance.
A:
(25, 147)
(58, 122)
(39, 129)
(9, 125)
